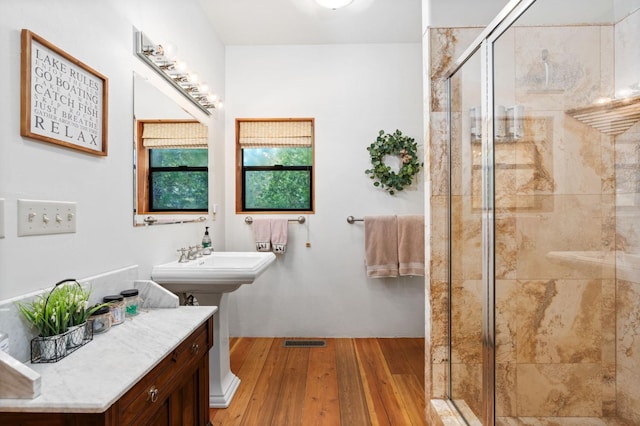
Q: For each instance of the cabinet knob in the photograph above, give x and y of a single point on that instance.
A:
(152, 395)
(195, 348)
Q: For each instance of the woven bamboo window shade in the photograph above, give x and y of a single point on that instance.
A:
(261, 134)
(174, 135)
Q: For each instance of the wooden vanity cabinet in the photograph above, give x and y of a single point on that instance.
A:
(174, 393)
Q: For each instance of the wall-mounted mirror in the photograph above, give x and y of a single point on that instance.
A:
(170, 169)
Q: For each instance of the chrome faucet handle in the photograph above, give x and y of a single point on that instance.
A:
(199, 250)
(192, 252)
(183, 255)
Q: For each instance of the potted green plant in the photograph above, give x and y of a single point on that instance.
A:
(48, 316)
(59, 318)
(77, 301)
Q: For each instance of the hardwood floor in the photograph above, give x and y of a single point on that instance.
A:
(350, 382)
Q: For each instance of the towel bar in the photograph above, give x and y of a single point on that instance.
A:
(150, 220)
(351, 219)
(301, 219)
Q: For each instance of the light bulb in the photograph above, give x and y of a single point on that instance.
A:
(623, 93)
(157, 50)
(334, 4)
(181, 66)
(602, 100)
(203, 87)
(170, 51)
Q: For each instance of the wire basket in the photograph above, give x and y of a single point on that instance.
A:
(54, 348)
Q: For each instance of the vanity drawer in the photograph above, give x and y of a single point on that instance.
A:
(152, 393)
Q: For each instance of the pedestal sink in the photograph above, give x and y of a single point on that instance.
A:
(210, 279)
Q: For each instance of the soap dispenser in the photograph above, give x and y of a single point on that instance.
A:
(206, 241)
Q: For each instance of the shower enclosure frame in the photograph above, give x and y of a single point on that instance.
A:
(484, 45)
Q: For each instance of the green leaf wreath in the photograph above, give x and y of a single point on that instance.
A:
(393, 144)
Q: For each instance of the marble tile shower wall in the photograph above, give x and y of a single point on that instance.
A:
(568, 338)
(445, 46)
(627, 299)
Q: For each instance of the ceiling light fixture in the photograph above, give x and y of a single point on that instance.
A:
(334, 4)
(176, 73)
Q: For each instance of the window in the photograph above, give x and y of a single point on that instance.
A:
(275, 165)
(172, 167)
(178, 179)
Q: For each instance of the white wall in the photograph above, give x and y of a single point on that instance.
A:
(471, 13)
(352, 91)
(101, 35)
(460, 13)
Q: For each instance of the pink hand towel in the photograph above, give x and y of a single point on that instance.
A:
(411, 245)
(279, 229)
(262, 234)
(381, 246)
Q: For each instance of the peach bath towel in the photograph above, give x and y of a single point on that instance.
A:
(262, 234)
(381, 246)
(411, 245)
(279, 235)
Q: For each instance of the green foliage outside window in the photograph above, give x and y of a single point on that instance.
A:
(277, 178)
(277, 190)
(179, 180)
(275, 156)
(174, 157)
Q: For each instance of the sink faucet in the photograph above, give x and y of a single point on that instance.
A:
(183, 255)
(193, 251)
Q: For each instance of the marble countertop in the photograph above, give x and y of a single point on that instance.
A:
(95, 376)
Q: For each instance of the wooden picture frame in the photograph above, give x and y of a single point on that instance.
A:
(62, 100)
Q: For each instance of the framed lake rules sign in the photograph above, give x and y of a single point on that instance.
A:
(62, 100)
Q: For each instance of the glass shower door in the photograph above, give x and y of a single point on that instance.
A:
(554, 204)
(544, 150)
(465, 237)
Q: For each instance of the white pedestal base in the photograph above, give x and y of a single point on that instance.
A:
(223, 399)
(222, 382)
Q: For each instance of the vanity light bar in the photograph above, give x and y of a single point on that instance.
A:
(185, 82)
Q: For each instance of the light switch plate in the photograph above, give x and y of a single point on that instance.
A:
(1, 217)
(36, 217)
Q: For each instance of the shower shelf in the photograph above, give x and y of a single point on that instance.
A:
(612, 118)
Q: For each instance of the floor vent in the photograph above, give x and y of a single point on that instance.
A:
(304, 343)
